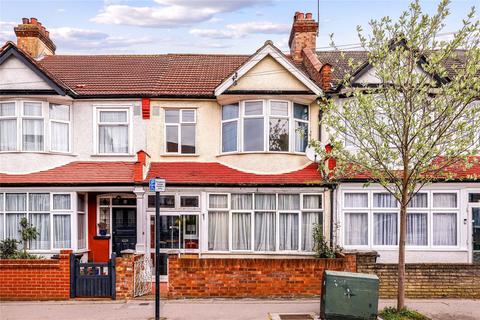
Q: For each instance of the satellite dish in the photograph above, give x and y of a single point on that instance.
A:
(312, 155)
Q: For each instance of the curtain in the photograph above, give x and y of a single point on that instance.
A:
(12, 225)
(356, 200)
(61, 231)
(444, 200)
(265, 202)
(59, 136)
(384, 200)
(279, 108)
(385, 229)
(61, 202)
(32, 133)
(229, 136)
(113, 139)
(113, 116)
(230, 111)
(288, 230)
(265, 231)
(32, 109)
(41, 221)
(444, 229)
(1, 225)
(417, 229)
(241, 236)
(301, 136)
(312, 201)
(218, 201)
(289, 202)
(241, 201)
(16, 202)
(59, 112)
(82, 243)
(309, 220)
(420, 200)
(39, 202)
(8, 134)
(356, 228)
(218, 231)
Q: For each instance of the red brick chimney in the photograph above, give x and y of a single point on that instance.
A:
(34, 39)
(303, 35)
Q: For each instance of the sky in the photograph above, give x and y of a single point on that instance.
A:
(199, 26)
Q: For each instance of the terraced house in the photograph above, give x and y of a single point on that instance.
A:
(81, 135)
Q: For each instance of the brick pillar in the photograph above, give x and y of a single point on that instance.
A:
(124, 275)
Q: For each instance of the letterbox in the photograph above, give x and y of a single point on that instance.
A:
(348, 295)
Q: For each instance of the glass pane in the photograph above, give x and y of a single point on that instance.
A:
(417, 229)
(230, 111)
(279, 108)
(265, 231)
(229, 136)
(300, 111)
(218, 201)
(124, 201)
(384, 200)
(172, 138)
(356, 228)
(241, 233)
(188, 115)
(189, 202)
(59, 112)
(301, 136)
(1, 226)
(385, 229)
(8, 135)
(59, 137)
(61, 231)
(309, 221)
(61, 202)
(289, 202)
(474, 197)
(16, 202)
(81, 203)
(312, 201)
(33, 109)
(167, 201)
(12, 225)
(172, 116)
(7, 109)
(241, 201)
(444, 200)
(41, 221)
(288, 231)
(82, 230)
(419, 200)
(444, 229)
(356, 200)
(32, 135)
(104, 217)
(113, 139)
(218, 231)
(1, 203)
(188, 138)
(253, 134)
(39, 201)
(253, 108)
(170, 232)
(113, 116)
(265, 202)
(104, 201)
(279, 134)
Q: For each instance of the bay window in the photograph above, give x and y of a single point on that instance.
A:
(265, 125)
(180, 131)
(113, 130)
(257, 222)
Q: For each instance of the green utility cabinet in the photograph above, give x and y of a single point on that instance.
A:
(348, 295)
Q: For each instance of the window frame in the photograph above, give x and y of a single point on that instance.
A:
(69, 123)
(42, 117)
(96, 127)
(179, 131)
(15, 117)
(239, 127)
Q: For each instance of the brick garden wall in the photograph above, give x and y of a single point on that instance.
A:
(40, 279)
(425, 280)
(259, 278)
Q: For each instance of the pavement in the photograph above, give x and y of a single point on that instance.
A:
(211, 309)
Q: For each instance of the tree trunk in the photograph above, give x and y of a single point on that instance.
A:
(401, 251)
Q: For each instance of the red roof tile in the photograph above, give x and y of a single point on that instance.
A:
(212, 173)
(78, 172)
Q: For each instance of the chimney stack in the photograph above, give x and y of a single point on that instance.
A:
(303, 35)
(34, 39)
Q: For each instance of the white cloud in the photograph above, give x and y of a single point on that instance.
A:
(6, 31)
(61, 10)
(241, 30)
(170, 13)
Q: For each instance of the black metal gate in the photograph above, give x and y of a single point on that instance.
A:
(92, 279)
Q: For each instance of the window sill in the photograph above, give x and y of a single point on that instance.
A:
(260, 152)
(180, 155)
(120, 155)
(42, 152)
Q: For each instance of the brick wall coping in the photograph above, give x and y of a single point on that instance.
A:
(368, 253)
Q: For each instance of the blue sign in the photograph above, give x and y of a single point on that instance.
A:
(151, 184)
(157, 185)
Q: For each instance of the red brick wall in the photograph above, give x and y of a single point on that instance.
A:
(260, 278)
(40, 279)
(124, 267)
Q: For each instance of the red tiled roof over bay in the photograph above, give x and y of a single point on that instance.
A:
(212, 173)
(78, 172)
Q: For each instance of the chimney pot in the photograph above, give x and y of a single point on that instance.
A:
(303, 35)
(47, 33)
(34, 21)
(25, 21)
(309, 16)
(34, 38)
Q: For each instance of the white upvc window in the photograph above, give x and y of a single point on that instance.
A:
(33, 126)
(113, 130)
(180, 131)
(59, 128)
(8, 126)
(82, 220)
(265, 126)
